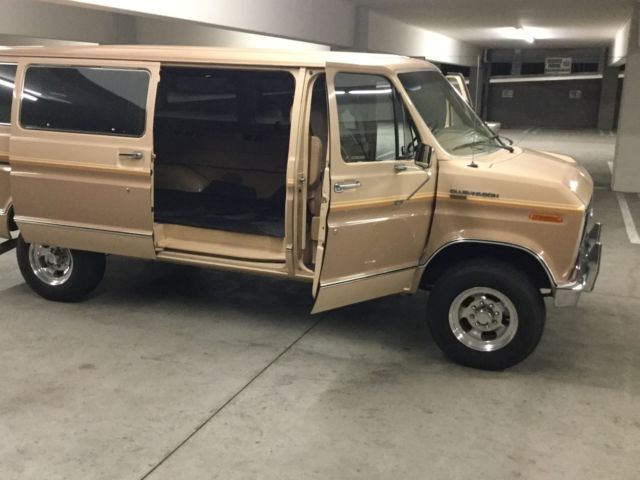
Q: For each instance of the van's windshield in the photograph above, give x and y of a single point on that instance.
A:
(452, 121)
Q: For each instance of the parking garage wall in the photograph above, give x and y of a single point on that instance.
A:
(550, 104)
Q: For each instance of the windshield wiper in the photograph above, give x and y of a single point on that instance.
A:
(485, 142)
(508, 148)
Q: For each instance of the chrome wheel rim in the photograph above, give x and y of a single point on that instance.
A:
(51, 265)
(483, 319)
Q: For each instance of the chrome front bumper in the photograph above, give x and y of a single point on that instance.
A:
(587, 269)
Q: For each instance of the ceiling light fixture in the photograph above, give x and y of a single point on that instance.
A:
(520, 33)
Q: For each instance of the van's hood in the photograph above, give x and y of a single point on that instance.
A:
(545, 168)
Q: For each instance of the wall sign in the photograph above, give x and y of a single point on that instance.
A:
(558, 65)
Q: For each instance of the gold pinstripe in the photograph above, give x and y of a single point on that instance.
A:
(378, 202)
(80, 166)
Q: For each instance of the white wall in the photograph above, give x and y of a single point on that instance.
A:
(177, 32)
(385, 34)
(626, 165)
(329, 22)
(29, 18)
(620, 45)
(299, 24)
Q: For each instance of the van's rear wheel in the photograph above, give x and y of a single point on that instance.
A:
(59, 274)
(486, 314)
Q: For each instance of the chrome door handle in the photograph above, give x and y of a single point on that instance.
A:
(132, 155)
(400, 167)
(341, 187)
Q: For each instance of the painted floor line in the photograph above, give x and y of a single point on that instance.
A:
(629, 224)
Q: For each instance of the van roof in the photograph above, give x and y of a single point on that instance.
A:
(231, 56)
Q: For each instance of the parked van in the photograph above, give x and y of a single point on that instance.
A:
(363, 175)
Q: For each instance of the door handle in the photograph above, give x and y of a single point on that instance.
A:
(132, 155)
(400, 167)
(349, 184)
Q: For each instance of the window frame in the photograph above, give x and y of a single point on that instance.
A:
(7, 124)
(397, 95)
(29, 66)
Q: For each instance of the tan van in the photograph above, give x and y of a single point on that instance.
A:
(364, 175)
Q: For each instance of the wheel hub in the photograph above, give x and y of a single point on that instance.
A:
(483, 319)
(51, 265)
(484, 315)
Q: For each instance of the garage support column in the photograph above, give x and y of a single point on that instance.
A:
(479, 86)
(608, 96)
(626, 170)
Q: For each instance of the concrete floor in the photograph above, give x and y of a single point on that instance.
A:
(171, 372)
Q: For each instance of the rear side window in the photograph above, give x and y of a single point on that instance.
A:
(102, 101)
(7, 82)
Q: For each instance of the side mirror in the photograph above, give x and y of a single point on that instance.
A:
(424, 155)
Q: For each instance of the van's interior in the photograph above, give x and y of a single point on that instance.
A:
(221, 144)
(221, 139)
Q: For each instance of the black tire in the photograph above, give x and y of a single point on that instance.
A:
(501, 277)
(87, 272)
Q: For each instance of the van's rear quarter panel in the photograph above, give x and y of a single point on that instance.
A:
(5, 200)
(5, 188)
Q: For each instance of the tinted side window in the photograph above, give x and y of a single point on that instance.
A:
(275, 96)
(233, 96)
(7, 82)
(85, 100)
(374, 124)
(197, 94)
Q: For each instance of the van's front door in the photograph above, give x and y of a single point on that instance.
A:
(378, 200)
(81, 154)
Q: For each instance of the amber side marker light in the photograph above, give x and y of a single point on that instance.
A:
(545, 217)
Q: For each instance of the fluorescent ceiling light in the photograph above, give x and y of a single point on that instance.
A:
(521, 33)
(370, 92)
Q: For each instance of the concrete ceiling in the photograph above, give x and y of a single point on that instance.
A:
(555, 23)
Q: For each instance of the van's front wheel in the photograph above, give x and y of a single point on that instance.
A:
(486, 314)
(59, 274)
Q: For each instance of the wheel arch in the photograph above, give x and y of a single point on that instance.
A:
(459, 251)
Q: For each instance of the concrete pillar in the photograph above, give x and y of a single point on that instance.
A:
(608, 95)
(479, 85)
(626, 167)
(516, 65)
(361, 35)
(475, 87)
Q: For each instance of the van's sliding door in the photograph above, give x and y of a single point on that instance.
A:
(81, 154)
